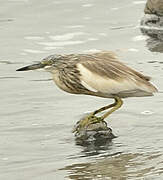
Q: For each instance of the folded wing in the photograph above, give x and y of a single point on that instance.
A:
(102, 72)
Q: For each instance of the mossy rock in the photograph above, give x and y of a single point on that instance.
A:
(98, 133)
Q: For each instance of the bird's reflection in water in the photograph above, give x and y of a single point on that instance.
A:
(104, 161)
(115, 166)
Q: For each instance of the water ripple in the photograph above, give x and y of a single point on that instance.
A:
(10, 77)
(61, 43)
(33, 37)
(33, 51)
(66, 37)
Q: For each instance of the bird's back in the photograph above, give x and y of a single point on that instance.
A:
(101, 74)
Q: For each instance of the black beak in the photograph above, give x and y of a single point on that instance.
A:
(31, 67)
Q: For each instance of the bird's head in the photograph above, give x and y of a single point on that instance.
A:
(47, 63)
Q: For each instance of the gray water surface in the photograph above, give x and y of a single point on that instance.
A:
(36, 118)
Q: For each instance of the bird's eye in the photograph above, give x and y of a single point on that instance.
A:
(47, 62)
(44, 62)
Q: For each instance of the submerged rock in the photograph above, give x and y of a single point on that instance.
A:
(154, 45)
(98, 133)
(152, 22)
(152, 25)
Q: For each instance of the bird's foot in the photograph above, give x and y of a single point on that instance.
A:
(84, 123)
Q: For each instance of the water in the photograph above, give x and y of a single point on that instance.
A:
(36, 118)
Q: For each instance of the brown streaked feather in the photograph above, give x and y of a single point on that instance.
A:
(109, 65)
(105, 66)
(68, 80)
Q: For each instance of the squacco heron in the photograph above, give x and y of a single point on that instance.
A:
(97, 74)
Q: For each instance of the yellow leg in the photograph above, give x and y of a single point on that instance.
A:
(90, 119)
(104, 108)
(118, 104)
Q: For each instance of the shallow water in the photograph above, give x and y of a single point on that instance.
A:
(36, 118)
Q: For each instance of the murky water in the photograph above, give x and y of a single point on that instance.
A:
(36, 118)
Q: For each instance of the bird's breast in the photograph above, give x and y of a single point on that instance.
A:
(57, 77)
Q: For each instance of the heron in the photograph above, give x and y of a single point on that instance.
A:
(97, 74)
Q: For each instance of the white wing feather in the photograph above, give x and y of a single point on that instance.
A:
(97, 83)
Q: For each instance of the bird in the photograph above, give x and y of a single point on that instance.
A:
(97, 74)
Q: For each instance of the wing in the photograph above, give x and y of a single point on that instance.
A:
(102, 72)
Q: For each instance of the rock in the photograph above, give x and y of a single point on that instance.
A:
(97, 133)
(152, 25)
(154, 45)
(154, 7)
(152, 22)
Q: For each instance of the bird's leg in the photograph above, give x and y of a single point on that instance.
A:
(118, 104)
(85, 122)
(104, 108)
(91, 119)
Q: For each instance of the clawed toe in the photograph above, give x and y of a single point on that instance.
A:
(84, 123)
